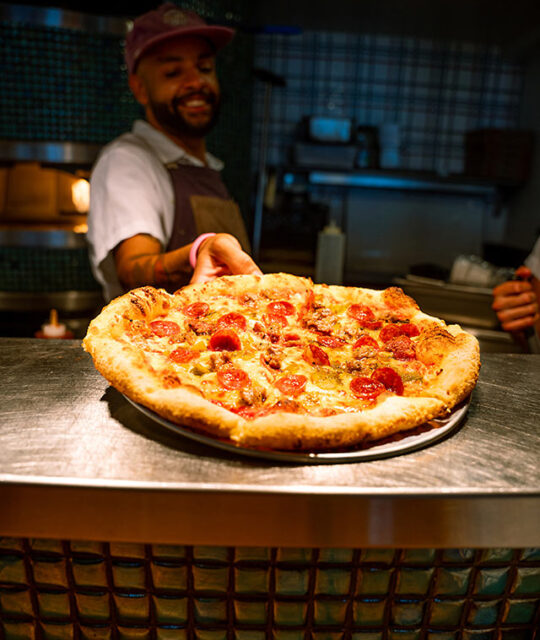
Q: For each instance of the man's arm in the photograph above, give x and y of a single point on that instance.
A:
(140, 260)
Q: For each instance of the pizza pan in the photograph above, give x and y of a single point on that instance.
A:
(405, 442)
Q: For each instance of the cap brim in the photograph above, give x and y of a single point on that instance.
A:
(218, 36)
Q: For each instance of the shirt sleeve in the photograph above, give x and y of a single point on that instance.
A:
(126, 199)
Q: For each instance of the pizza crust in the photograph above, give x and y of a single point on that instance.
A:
(302, 432)
(454, 353)
(292, 431)
(458, 364)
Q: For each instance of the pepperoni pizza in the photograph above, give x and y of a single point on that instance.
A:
(278, 362)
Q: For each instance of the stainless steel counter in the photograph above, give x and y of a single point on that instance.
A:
(78, 461)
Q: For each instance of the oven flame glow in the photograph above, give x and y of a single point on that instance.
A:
(80, 193)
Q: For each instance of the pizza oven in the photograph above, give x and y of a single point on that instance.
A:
(44, 261)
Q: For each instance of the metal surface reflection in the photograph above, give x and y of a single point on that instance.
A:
(73, 445)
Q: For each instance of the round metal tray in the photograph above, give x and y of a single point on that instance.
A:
(422, 436)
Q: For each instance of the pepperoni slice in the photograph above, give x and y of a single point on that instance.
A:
(280, 308)
(364, 316)
(164, 328)
(365, 388)
(366, 341)
(315, 355)
(330, 341)
(196, 309)
(389, 332)
(291, 385)
(225, 340)
(232, 319)
(410, 329)
(402, 348)
(184, 354)
(394, 330)
(232, 378)
(291, 339)
(275, 319)
(390, 378)
(307, 307)
(250, 412)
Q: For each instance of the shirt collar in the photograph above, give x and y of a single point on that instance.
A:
(167, 151)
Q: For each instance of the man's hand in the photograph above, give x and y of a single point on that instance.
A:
(222, 255)
(516, 301)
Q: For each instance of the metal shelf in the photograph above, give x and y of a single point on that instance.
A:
(51, 153)
(293, 178)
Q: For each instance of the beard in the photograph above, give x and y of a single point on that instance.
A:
(172, 120)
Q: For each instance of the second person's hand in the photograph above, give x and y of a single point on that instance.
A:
(515, 302)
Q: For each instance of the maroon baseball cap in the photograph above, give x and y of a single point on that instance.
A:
(169, 21)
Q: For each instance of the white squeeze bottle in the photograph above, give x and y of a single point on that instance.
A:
(53, 329)
(330, 255)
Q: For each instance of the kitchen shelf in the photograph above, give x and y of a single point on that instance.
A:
(293, 178)
(77, 154)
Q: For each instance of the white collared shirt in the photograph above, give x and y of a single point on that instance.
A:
(132, 193)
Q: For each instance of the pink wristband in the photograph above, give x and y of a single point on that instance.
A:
(195, 248)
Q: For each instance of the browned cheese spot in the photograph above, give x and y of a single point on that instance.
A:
(395, 297)
(171, 380)
(433, 344)
(138, 304)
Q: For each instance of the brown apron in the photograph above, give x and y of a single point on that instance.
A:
(202, 204)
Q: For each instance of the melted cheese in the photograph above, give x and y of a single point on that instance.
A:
(327, 388)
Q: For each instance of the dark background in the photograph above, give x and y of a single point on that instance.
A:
(504, 22)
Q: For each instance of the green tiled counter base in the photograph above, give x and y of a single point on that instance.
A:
(77, 590)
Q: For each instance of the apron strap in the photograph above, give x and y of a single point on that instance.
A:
(202, 204)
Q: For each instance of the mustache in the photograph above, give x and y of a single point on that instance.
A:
(209, 96)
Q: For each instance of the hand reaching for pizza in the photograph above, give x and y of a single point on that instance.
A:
(222, 255)
(516, 301)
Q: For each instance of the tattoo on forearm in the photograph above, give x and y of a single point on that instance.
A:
(162, 277)
(151, 269)
(141, 271)
(147, 269)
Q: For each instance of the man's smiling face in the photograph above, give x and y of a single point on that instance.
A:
(176, 82)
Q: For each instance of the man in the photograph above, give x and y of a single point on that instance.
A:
(159, 211)
(516, 302)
